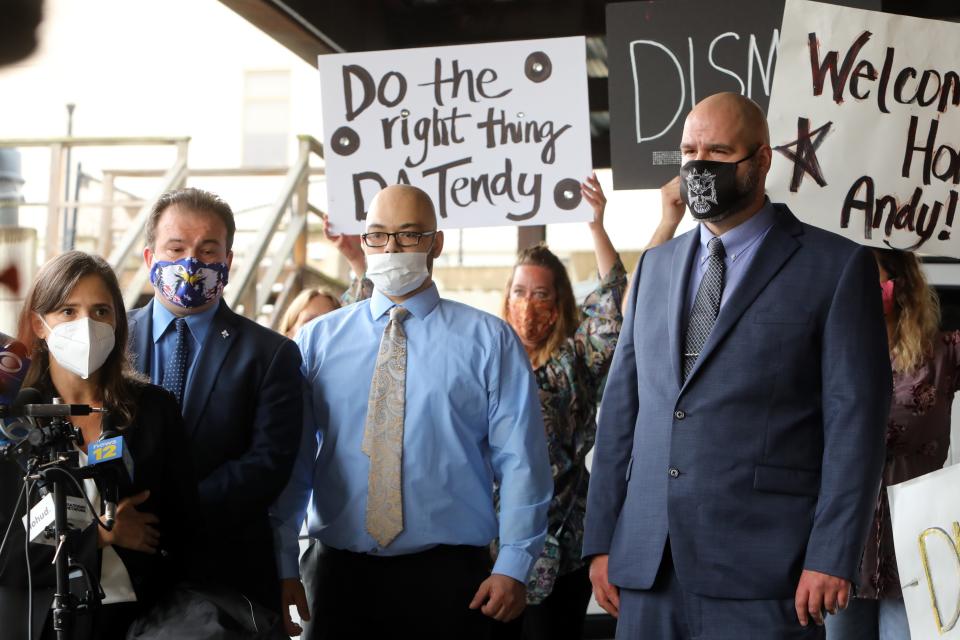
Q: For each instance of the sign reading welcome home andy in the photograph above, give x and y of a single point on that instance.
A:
(865, 124)
(497, 134)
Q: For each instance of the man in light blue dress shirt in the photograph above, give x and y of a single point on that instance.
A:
(472, 420)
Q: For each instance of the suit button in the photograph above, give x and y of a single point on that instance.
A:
(679, 415)
(674, 472)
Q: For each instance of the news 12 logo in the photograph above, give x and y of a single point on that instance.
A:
(105, 450)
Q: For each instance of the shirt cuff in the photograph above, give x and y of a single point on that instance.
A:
(287, 556)
(514, 563)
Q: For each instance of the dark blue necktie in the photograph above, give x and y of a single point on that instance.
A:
(175, 371)
(706, 306)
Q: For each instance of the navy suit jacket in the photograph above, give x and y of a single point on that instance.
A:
(243, 416)
(767, 459)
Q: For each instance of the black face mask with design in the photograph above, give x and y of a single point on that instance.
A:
(709, 188)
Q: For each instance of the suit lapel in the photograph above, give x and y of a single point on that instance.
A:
(141, 322)
(683, 257)
(223, 333)
(773, 252)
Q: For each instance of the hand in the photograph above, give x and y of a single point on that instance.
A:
(672, 205)
(505, 597)
(132, 529)
(817, 592)
(349, 246)
(607, 595)
(593, 193)
(292, 593)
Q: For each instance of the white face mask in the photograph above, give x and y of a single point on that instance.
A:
(397, 274)
(80, 346)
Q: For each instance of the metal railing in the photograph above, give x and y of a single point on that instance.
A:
(258, 267)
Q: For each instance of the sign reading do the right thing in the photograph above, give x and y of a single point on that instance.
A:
(496, 134)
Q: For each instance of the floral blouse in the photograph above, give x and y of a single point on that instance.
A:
(918, 436)
(571, 384)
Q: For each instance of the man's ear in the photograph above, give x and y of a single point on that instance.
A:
(765, 156)
(229, 259)
(437, 245)
(148, 257)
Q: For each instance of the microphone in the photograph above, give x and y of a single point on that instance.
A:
(14, 365)
(18, 420)
(113, 461)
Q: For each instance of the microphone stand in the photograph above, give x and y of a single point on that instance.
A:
(59, 434)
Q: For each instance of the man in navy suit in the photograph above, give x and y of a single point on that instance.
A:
(238, 383)
(740, 441)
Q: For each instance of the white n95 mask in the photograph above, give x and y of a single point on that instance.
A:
(80, 346)
(397, 274)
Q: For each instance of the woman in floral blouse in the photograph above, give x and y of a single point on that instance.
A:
(570, 349)
(926, 364)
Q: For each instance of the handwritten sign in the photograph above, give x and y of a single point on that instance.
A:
(665, 56)
(926, 534)
(497, 134)
(865, 121)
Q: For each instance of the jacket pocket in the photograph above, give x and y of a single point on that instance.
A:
(796, 482)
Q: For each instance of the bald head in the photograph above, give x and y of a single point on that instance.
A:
(740, 117)
(401, 207)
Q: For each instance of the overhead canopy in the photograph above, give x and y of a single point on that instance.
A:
(310, 28)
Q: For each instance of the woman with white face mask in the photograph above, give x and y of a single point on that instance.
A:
(74, 324)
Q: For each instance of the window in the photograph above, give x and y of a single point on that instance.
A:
(266, 118)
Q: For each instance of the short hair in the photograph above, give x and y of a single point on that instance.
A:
(196, 200)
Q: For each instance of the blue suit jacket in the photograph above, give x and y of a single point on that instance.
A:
(243, 416)
(767, 460)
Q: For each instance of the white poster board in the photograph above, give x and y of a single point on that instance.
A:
(497, 134)
(926, 535)
(865, 124)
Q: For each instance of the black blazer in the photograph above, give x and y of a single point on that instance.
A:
(243, 416)
(160, 464)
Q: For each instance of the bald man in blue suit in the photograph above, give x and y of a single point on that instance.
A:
(741, 433)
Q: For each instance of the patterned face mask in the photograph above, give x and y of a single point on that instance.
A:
(532, 319)
(189, 283)
(709, 188)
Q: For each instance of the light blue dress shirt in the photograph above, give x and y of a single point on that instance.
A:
(165, 339)
(472, 418)
(740, 244)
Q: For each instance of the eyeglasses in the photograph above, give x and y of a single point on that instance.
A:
(376, 239)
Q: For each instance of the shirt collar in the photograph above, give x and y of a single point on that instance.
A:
(739, 239)
(419, 305)
(198, 323)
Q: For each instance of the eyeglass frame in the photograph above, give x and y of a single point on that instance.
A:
(396, 237)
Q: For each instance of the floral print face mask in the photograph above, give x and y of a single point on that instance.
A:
(532, 319)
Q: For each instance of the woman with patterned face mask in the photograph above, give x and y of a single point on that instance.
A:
(926, 375)
(74, 324)
(570, 349)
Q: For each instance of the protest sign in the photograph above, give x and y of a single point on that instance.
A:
(496, 134)
(865, 123)
(665, 56)
(926, 533)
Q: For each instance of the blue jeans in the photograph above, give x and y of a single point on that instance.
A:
(869, 620)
